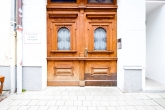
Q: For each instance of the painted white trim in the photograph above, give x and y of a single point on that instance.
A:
(155, 1)
(132, 67)
(19, 61)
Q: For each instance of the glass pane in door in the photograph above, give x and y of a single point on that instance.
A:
(63, 1)
(63, 39)
(100, 1)
(100, 39)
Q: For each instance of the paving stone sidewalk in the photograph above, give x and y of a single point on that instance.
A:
(4, 95)
(83, 98)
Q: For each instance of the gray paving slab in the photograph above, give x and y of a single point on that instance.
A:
(160, 102)
(83, 98)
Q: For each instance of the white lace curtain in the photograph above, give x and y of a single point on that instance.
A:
(63, 39)
(100, 39)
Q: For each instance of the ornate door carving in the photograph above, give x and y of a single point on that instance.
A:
(81, 45)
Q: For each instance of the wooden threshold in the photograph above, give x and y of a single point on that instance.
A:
(87, 83)
(100, 83)
(63, 83)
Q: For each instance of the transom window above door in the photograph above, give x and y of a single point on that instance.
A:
(100, 1)
(72, 1)
(100, 39)
(63, 39)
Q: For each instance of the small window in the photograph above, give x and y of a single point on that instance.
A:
(74, 1)
(63, 39)
(100, 1)
(100, 39)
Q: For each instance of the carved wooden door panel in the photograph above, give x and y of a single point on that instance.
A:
(81, 47)
(101, 61)
(62, 49)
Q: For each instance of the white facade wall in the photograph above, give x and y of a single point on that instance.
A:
(155, 68)
(34, 20)
(5, 7)
(131, 29)
(34, 54)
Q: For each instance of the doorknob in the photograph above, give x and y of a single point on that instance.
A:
(86, 52)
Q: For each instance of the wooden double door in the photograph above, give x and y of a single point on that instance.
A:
(81, 47)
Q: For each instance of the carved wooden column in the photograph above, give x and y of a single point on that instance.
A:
(82, 50)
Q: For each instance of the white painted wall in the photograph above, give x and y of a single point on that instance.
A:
(131, 28)
(34, 20)
(155, 68)
(5, 32)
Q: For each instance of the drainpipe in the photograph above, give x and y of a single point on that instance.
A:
(19, 46)
(12, 46)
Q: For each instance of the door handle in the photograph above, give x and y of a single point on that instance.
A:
(86, 52)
